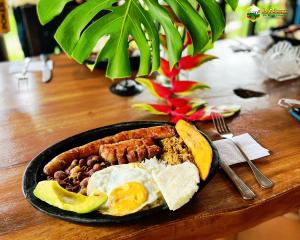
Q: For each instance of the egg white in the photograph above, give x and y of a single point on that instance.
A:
(112, 177)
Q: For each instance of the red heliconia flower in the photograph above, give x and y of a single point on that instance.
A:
(187, 87)
(165, 67)
(183, 110)
(197, 116)
(185, 63)
(162, 91)
(191, 62)
(156, 109)
(161, 108)
(156, 89)
(178, 102)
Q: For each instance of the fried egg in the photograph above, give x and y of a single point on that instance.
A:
(129, 187)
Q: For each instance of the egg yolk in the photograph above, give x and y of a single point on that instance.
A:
(127, 198)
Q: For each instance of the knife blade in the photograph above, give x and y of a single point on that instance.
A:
(245, 191)
(47, 72)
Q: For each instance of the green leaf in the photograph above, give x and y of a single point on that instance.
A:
(174, 40)
(81, 30)
(68, 33)
(194, 23)
(233, 4)
(130, 19)
(215, 17)
(49, 9)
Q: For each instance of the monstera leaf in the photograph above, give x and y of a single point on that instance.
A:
(82, 28)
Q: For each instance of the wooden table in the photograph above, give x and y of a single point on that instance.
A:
(77, 100)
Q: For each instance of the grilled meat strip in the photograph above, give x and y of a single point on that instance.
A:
(132, 150)
(64, 159)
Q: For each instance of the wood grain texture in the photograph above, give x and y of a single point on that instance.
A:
(78, 100)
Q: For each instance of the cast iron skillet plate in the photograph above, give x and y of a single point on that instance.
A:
(34, 173)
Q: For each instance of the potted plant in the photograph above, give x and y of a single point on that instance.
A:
(143, 21)
(78, 33)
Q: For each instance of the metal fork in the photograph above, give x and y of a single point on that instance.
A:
(23, 75)
(224, 131)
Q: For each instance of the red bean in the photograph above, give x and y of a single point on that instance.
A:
(82, 162)
(97, 167)
(84, 182)
(91, 172)
(84, 168)
(60, 175)
(75, 177)
(91, 162)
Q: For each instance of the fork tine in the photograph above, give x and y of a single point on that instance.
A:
(213, 114)
(224, 124)
(219, 122)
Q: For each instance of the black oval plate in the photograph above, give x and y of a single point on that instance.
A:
(34, 173)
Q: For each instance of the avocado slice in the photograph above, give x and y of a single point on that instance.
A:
(52, 193)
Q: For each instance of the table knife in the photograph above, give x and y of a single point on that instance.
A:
(47, 72)
(243, 188)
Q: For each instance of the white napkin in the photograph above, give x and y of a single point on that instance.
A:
(231, 154)
(34, 66)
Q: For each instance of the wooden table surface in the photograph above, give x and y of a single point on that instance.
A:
(77, 100)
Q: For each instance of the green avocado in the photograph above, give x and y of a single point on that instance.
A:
(52, 193)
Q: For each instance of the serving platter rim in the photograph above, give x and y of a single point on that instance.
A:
(33, 174)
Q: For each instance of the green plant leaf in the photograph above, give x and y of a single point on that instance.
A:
(49, 9)
(130, 19)
(194, 23)
(174, 40)
(233, 4)
(68, 33)
(84, 26)
(215, 17)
